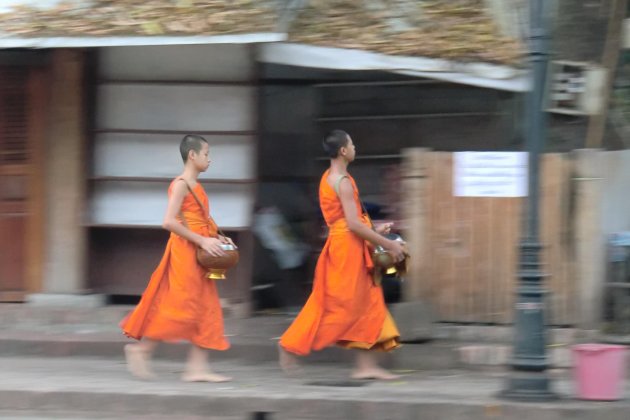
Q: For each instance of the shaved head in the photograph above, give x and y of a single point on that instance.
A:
(191, 142)
(334, 141)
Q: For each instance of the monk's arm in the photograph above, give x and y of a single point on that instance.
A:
(170, 222)
(346, 195)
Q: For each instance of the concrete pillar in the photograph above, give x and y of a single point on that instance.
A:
(65, 183)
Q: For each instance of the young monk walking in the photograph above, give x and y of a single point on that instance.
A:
(179, 303)
(346, 308)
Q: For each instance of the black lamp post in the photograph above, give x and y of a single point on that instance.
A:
(528, 379)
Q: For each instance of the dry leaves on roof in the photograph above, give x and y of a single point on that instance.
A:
(452, 29)
(143, 17)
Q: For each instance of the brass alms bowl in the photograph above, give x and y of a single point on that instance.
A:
(218, 265)
(384, 261)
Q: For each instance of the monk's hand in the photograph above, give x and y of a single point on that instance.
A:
(397, 250)
(227, 240)
(212, 246)
(384, 228)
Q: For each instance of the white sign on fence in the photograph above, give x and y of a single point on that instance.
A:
(490, 174)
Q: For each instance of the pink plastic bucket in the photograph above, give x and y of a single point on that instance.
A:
(599, 371)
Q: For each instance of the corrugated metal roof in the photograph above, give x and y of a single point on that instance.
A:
(116, 41)
(475, 74)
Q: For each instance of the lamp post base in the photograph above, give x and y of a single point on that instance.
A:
(528, 387)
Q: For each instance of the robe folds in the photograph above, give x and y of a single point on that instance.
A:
(180, 303)
(346, 308)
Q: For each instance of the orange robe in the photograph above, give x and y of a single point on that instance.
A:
(345, 307)
(180, 303)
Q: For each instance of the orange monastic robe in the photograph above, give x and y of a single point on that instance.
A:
(180, 303)
(345, 307)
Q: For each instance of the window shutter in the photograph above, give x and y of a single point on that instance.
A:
(13, 116)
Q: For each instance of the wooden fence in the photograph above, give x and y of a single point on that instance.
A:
(465, 249)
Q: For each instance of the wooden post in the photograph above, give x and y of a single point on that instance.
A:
(414, 202)
(597, 123)
(65, 177)
(589, 238)
(38, 102)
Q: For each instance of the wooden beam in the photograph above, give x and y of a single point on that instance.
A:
(597, 123)
(23, 58)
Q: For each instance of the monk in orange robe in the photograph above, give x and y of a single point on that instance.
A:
(346, 308)
(179, 303)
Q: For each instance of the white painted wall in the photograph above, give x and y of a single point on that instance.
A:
(157, 155)
(178, 62)
(175, 107)
(180, 89)
(144, 203)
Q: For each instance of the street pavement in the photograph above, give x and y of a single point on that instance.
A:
(67, 364)
(100, 388)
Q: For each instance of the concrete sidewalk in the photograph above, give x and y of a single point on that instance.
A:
(32, 387)
(94, 332)
(61, 331)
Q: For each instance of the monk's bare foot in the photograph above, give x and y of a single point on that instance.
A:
(204, 377)
(288, 362)
(138, 362)
(374, 373)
